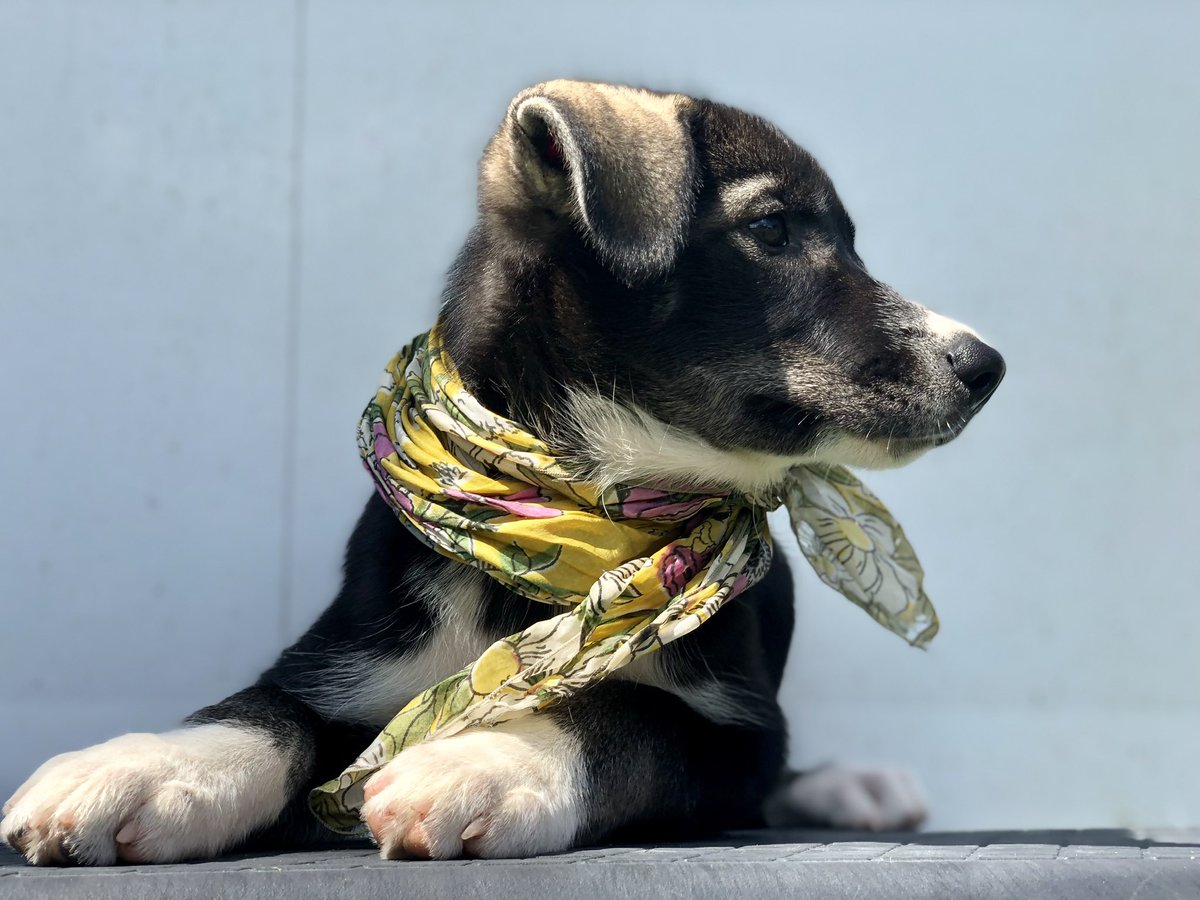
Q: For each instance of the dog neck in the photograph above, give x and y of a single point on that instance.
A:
(518, 334)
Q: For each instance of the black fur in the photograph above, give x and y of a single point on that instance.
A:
(559, 290)
(610, 259)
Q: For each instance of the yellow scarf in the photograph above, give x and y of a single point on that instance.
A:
(631, 567)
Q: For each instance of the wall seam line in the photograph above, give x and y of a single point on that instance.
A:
(292, 318)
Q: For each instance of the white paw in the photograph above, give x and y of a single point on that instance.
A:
(508, 791)
(843, 797)
(148, 798)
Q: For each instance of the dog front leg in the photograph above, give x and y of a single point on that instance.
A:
(617, 758)
(153, 798)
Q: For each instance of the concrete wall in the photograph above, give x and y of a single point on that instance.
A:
(219, 219)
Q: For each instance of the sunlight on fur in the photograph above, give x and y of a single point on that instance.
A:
(621, 444)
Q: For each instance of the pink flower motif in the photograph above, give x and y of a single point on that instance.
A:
(391, 496)
(679, 567)
(515, 504)
(402, 500)
(383, 444)
(651, 503)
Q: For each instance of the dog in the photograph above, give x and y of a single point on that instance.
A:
(666, 289)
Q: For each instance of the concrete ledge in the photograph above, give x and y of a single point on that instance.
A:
(759, 864)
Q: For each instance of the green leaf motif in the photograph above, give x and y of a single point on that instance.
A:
(481, 513)
(516, 561)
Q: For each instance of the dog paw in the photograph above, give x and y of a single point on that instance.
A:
(843, 797)
(147, 798)
(508, 791)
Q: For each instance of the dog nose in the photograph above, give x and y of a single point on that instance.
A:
(977, 366)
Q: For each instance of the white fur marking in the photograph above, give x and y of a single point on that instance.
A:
(845, 797)
(849, 450)
(717, 701)
(625, 444)
(736, 196)
(507, 791)
(940, 326)
(360, 687)
(149, 798)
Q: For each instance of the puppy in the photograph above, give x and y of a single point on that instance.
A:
(666, 290)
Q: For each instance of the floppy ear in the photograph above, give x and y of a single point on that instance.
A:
(618, 162)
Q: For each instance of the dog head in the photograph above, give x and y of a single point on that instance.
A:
(668, 289)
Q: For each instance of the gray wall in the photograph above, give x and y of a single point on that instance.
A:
(219, 219)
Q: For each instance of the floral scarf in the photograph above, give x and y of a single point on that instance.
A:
(624, 569)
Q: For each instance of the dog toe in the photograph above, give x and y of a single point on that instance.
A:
(845, 797)
(494, 792)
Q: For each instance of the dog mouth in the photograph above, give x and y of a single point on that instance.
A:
(786, 414)
(926, 441)
(902, 440)
(896, 438)
(944, 433)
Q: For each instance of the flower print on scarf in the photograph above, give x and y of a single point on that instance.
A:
(478, 417)
(379, 442)
(387, 490)
(448, 474)
(383, 445)
(526, 503)
(651, 503)
(516, 560)
(853, 549)
(863, 546)
(679, 567)
(499, 662)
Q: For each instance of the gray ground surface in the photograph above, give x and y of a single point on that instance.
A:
(757, 864)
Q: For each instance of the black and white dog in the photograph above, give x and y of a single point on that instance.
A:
(667, 290)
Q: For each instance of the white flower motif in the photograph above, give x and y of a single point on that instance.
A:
(481, 417)
(851, 550)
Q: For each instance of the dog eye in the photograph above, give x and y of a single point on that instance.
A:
(770, 231)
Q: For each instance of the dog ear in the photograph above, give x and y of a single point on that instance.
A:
(618, 162)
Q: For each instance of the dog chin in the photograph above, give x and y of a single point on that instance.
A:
(869, 453)
(624, 444)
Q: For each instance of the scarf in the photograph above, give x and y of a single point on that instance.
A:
(623, 569)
